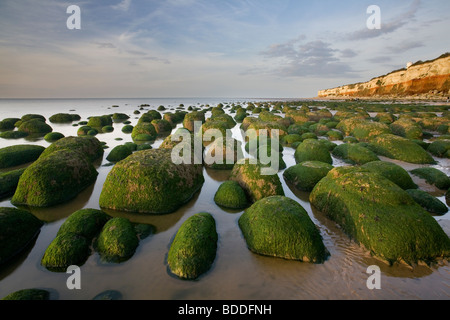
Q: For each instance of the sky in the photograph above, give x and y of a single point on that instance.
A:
(210, 48)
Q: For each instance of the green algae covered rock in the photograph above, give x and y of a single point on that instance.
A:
(9, 181)
(84, 222)
(380, 216)
(13, 134)
(428, 202)
(231, 195)
(278, 226)
(64, 118)
(28, 295)
(119, 153)
(354, 153)
(254, 180)
(191, 118)
(53, 136)
(73, 240)
(117, 241)
(305, 175)
(223, 153)
(399, 148)
(8, 123)
(90, 147)
(144, 132)
(433, 176)
(65, 250)
(312, 150)
(194, 247)
(19, 154)
(36, 126)
(440, 148)
(17, 229)
(149, 181)
(393, 172)
(162, 126)
(54, 179)
(100, 121)
(406, 128)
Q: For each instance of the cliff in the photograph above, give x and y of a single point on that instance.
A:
(429, 79)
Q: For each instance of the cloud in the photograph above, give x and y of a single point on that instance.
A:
(124, 5)
(105, 45)
(386, 27)
(314, 58)
(405, 46)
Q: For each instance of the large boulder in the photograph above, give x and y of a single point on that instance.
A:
(433, 176)
(231, 195)
(35, 126)
(9, 181)
(312, 150)
(399, 148)
(149, 181)
(278, 226)
(88, 146)
(117, 241)
(380, 216)
(19, 154)
(354, 153)
(193, 249)
(56, 178)
(252, 178)
(305, 175)
(406, 128)
(428, 202)
(440, 148)
(393, 172)
(73, 240)
(17, 229)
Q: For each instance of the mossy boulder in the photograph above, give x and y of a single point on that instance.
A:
(428, 202)
(440, 148)
(270, 157)
(144, 132)
(406, 128)
(65, 250)
(255, 181)
(362, 129)
(192, 117)
(162, 126)
(127, 128)
(278, 226)
(54, 179)
(149, 116)
(28, 295)
(83, 130)
(149, 181)
(231, 195)
(100, 121)
(13, 134)
(8, 124)
(107, 129)
(117, 117)
(380, 216)
(19, 154)
(84, 222)
(31, 116)
(117, 241)
(81, 227)
(90, 147)
(35, 126)
(433, 176)
(223, 153)
(334, 135)
(119, 153)
(393, 172)
(354, 153)
(64, 118)
(53, 136)
(194, 247)
(17, 229)
(399, 148)
(290, 139)
(312, 150)
(9, 181)
(305, 175)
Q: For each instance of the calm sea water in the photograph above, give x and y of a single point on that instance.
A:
(237, 273)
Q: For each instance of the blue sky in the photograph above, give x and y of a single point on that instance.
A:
(210, 48)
